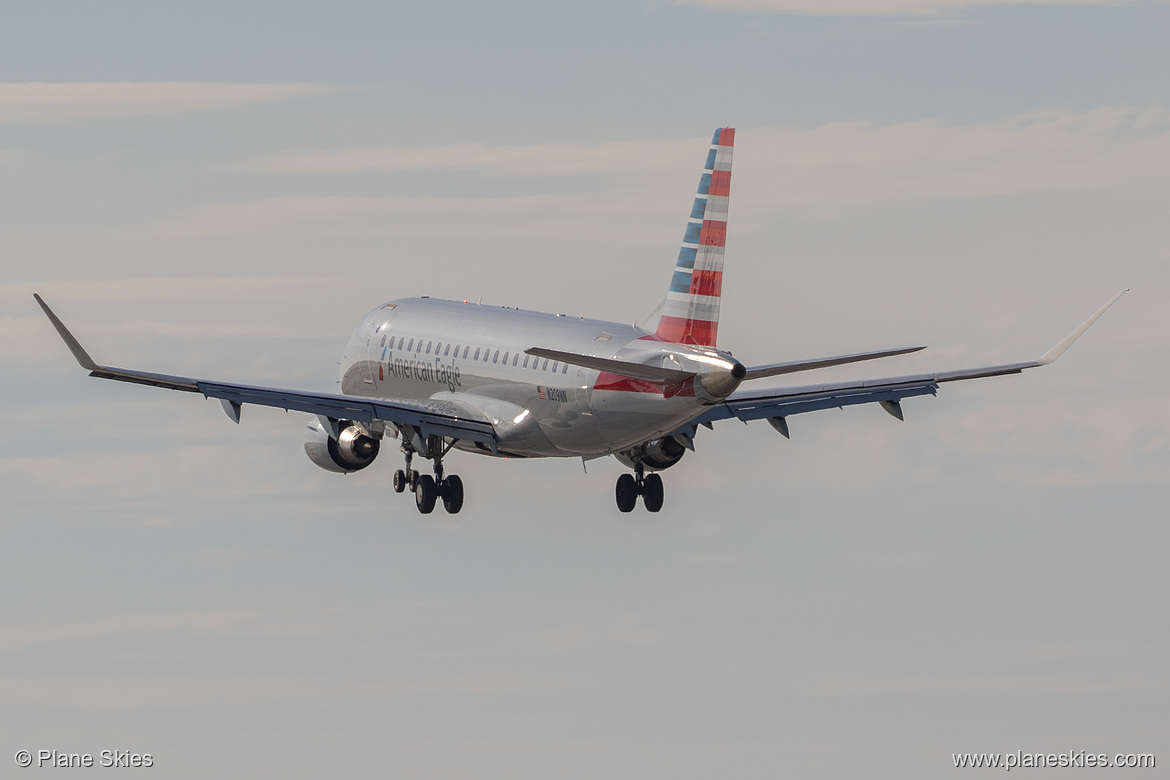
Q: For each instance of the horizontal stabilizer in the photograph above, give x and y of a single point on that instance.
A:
(775, 369)
(665, 376)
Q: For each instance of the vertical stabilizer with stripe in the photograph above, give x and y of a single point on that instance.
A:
(690, 314)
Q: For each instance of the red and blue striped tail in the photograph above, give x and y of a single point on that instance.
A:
(690, 314)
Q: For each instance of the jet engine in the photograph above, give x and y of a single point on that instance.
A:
(352, 450)
(655, 455)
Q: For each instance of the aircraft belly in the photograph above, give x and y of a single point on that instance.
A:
(626, 419)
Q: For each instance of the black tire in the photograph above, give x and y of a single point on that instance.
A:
(425, 493)
(652, 493)
(451, 489)
(626, 493)
(413, 480)
(399, 481)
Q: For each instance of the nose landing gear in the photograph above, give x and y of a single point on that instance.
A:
(630, 486)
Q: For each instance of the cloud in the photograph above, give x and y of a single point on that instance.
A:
(870, 7)
(163, 288)
(533, 160)
(778, 168)
(326, 216)
(1055, 149)
(45, 102)
(233, 622)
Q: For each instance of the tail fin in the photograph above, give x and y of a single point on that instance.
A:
(690, 313)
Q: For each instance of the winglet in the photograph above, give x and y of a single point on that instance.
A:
(1059, 349)
(74, 345)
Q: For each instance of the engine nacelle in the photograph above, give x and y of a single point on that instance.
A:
(656, 455)
(352, 450)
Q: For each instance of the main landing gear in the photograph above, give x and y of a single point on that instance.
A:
(429, 490)
(630, 486)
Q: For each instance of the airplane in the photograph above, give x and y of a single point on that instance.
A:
(438, 375)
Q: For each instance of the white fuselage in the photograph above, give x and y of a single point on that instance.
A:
(474, 356)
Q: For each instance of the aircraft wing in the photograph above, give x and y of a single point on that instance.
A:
(441, 418)
(776, 404)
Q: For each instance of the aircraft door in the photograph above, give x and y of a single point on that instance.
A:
(371, 353)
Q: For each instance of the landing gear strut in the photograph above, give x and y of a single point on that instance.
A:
(630, 486)
(427, 489)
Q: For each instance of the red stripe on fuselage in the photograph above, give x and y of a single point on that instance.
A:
(608, 381)
(625, 384)
(683, 331)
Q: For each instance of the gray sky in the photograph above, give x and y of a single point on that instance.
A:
(223, 191)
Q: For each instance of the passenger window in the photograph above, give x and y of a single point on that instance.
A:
(505, 358)
(476, 354)
(400, 338)
(447, 351)
(487, 353)
(525, 361)
(554, 366)
(565, 368)
(545, 366)
(465, 351)
(496, 357)
(410, 346)
(515, 359)
(383, 341)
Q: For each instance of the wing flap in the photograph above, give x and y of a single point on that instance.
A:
(431, 417)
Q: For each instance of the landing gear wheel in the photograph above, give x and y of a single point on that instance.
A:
(425, 493)
(626, 493)
(451, 489)
(399, 481)
(652, 493)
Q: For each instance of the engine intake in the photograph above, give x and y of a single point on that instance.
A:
(352, 450)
